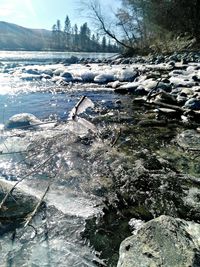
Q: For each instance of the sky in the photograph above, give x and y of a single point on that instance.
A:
(42, 14)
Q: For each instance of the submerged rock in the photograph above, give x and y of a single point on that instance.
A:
(67, 76)
(162, 242)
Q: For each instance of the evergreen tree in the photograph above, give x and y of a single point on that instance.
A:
(54, 37)
(59, 35)
(103, 44)
(84, 36)
(75, 38)
(67, 33)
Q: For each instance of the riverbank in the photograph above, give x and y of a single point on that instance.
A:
(139, 160)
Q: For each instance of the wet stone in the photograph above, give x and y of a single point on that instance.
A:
(193, 104)
(164, 242)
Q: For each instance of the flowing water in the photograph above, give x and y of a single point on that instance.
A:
(63, 155)
(47, 57)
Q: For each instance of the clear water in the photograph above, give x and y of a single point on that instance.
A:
(43, 105)
(41, 97)
(47, 57)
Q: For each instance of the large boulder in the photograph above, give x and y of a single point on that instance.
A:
(162, 242)
(22, 120)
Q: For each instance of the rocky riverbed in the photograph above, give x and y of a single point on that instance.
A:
(133, 169)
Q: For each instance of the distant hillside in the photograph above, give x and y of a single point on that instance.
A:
(14, 37)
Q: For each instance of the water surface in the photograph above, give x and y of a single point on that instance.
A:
(46, 57)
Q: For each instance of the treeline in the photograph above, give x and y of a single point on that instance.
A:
(73, 38)
(152, 25)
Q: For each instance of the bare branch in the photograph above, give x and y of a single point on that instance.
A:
(107, 31)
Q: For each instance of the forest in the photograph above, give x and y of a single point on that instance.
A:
(71, 38)
(145, 26)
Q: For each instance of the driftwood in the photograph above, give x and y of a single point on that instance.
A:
(165, 105)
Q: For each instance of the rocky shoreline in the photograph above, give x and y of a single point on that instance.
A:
(144, 163)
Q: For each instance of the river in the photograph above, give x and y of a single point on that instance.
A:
(24, 90)
(16, 95)
(71, 127)
(38, 57)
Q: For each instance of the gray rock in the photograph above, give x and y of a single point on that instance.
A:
(33, 71)
(181, 99)
(67, 75)
(186, 92)
(162, 242)
(88, 76)
(47, 72)
(193, 104)
(104, 78)
(127, 75)
(71, 60)
(165, 87)
(189, 139)
(140, 91)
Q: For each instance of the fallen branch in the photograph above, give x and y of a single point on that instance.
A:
(28, 174)
(30, 217)
(34, 125)
(153, 89)
(13, 152)
(116, 138)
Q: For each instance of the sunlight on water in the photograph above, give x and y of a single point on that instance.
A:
(47, 56)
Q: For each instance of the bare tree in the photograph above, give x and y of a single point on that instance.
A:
(107, 26)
